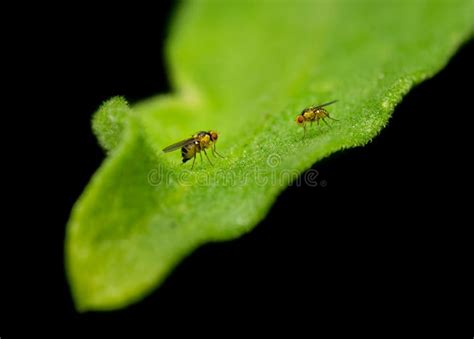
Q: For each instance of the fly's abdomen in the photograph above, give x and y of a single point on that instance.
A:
(188, 152)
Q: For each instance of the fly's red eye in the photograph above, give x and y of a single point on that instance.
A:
(214, 136)
(299, 119)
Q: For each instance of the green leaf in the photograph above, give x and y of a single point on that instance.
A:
(246, 69)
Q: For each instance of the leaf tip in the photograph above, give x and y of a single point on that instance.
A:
(109, 121)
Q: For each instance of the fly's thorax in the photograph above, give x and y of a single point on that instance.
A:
(200, 134)
(309, 115)
(205, 140)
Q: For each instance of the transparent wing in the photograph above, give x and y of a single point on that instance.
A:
(326, 104)
(179, 144)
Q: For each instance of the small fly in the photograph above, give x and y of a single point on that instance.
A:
(194, 145)
(314, 113)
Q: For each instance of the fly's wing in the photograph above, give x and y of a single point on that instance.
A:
(178, 145)
(326, 104)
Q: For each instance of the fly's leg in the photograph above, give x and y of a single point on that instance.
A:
(194, 159)
(214, 149)
(326, 122)
(205, 153)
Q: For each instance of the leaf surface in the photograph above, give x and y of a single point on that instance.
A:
(245, 69)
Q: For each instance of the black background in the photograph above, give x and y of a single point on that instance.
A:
(386, 241)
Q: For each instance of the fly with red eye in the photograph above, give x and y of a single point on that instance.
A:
(198, 142)
(314, 113)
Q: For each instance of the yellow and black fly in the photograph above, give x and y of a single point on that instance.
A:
(198, 142)
(314, 113)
